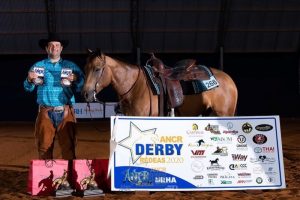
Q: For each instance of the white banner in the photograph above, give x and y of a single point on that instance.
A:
(193, 154)
(96, 110)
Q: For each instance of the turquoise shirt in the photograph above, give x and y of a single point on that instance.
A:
(51, 92)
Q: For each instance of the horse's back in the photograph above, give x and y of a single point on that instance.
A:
(220, 101)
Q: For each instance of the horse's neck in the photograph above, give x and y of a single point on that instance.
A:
(124, 76)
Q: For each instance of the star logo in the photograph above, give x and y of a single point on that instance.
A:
(137, 136)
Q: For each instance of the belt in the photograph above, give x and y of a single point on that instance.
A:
(57, 109)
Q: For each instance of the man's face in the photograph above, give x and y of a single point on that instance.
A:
(54, 49)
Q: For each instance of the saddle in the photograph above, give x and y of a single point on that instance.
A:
(169, 79)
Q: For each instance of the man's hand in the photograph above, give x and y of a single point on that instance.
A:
(31, 75)
(72, 77)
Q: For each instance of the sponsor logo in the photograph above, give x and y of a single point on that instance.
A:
(212, 128)
(259, 139)
(137, 177)
(258, 169)
(214, 165)
(271, 171)
(197, 166)
(264, 127)
(259, 180)
(230, 131)
(222, 140)
(227, 176)
(241, 139)
(39, 71)
(244, 175)
(65, 72)
(243, 181)
(226, 182)
(238, 166)
(239, 157)
(271, 179)
(198, 153)
(221, 151)
(211, 181)
(199, 143)
(264, 149)
(212, 175)
(257, 149)
(263, 159)
(194, 127)
(198, 177)
(247, 128)
(163, 179)
(268, 149)
(194, 133)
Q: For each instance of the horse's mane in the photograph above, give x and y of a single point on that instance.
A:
(98, 52)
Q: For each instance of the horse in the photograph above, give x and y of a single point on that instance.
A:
(136, 97)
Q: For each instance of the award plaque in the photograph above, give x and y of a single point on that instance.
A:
(65, 73)
(40, 71)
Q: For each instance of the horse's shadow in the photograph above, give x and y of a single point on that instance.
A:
(46, 185)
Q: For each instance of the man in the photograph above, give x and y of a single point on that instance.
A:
(55, 97)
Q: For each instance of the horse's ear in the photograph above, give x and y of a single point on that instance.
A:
(152, 55)
(89, 51)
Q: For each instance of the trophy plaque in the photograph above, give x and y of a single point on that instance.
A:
(65, 73)
(40, 71)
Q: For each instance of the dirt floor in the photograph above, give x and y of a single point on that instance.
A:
(17, 148)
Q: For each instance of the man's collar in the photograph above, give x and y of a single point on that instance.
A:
(48, 60)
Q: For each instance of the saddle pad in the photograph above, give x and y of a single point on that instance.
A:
(198, 86)
(150, 77)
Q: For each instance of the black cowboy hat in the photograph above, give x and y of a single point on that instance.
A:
(51, 38)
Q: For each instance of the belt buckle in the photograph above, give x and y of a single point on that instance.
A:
(58, 109)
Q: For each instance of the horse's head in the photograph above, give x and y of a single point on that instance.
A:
(98, 75)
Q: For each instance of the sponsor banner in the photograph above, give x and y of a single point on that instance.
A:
(83, 111)
(196, 154)
(96, 110)
(110, 109)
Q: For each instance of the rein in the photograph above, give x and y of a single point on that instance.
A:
(133, 85)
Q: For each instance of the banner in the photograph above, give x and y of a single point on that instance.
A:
(196, 154)
(95, 110)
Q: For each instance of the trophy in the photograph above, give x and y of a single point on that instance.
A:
(65, 73)
(89, 184)
(61, 186)
(40, 71)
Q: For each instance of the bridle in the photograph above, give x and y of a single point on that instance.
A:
(103, 66)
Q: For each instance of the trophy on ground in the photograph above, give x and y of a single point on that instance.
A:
(90, 186)
(61, 186)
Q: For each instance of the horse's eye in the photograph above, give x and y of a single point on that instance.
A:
(97, 70)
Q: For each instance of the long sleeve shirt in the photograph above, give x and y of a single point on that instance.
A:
(51, 92)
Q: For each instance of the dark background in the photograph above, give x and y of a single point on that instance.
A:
(258, 39)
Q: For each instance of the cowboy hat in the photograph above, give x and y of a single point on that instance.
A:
(51, 38)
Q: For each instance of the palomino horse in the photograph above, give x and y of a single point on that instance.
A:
(136, 97)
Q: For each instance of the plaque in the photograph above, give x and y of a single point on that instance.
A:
(65, 73)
